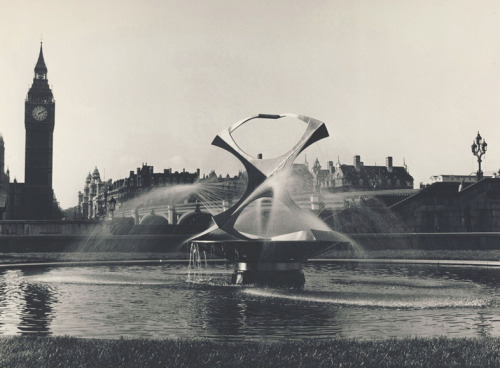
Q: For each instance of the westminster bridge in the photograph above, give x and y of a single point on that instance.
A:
(174, 214)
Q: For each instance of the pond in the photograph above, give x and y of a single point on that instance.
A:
(363, 301)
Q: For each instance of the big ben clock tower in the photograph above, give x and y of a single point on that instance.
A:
(39, 119)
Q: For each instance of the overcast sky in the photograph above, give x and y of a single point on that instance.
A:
(155, 81)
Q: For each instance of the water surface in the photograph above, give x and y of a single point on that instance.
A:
(363, 301)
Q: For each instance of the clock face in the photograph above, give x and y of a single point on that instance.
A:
(39, 113)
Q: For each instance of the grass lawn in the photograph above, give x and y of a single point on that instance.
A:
(51, 352)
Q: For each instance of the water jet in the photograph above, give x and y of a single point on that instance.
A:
(262, 259)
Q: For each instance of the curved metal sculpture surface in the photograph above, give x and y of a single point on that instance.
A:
(258, 260)
(260, 170)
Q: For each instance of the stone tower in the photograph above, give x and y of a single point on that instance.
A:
(39, 119)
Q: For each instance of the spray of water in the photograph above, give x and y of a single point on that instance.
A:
(168, 195)
(197, 267)
(371, 301)
(270, 210)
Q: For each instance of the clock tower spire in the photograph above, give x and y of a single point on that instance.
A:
(39, 120)
(40, 90)
(40, 67)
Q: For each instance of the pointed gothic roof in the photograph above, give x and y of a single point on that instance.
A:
(40, 67)
(96, 175)
(40, 90)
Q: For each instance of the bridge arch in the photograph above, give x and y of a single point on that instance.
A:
(154, 220)
(196, 221)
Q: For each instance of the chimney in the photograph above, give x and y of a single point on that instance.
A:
(388, 164)
(357, 162)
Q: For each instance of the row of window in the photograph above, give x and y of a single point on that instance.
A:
(361, 182)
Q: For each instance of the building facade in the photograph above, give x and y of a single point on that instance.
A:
(4, 180)
(358, 177)
(93, 201)
(452, 207)
(2, 155)
(453, 179)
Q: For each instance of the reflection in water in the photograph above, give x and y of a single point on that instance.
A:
(351, 300)
(24, 306)
(37, 312)
(483, 326)
(11, 300)
(258, 317)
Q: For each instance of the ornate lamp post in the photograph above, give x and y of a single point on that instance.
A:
(479, 149)
(112, 206)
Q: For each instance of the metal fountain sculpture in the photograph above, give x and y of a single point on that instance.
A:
(276, 260)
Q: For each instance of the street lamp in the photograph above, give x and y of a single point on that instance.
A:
(479, 149)
(112, 206)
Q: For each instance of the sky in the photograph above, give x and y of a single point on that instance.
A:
(146, 81)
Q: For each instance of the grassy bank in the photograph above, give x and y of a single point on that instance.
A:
(53, 352)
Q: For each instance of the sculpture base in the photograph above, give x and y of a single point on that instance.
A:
(280, 274)
(269, 262)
